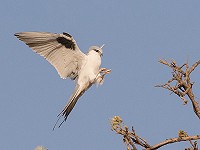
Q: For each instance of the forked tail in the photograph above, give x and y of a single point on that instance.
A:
(69, 106)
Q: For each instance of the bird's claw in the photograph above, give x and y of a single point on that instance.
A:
(104, 71)
(107, 71)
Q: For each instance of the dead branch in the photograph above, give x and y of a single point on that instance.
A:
(175, 140)
(183, 85)
(131, 139)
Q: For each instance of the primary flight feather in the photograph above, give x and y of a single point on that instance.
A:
(61, 51)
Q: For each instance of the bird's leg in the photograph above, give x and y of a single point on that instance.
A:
(100, 76)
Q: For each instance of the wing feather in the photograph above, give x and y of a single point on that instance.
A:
(60, 50)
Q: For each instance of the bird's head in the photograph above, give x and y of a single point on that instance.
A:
(97, 49)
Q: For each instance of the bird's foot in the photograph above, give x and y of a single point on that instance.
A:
(107, 71)
(104, 71)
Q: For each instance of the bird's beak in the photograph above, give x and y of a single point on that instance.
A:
(102, 46)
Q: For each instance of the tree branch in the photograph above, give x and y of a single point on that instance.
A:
(174, 140)
(183, 85)
(131, 139)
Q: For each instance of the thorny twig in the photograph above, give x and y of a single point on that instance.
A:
(183, 85)
(132, 139)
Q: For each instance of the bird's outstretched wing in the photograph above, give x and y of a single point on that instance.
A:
(60, 50)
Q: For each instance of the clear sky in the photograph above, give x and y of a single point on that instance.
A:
(136, 34)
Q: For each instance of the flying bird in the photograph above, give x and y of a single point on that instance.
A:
(61, 51)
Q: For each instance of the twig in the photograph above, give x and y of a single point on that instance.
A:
(194, 66)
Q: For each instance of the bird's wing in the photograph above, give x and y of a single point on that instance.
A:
(60, 50)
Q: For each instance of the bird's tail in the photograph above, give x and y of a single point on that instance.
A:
(78, 92)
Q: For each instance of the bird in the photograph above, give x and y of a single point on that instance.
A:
(62, 52)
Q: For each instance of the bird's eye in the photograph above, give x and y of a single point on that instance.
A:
(96, 50)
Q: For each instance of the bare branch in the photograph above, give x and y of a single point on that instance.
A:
(183, 85)
(174, 140)
(194, 66)
(131, 139)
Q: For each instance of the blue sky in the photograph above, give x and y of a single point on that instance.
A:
(136, 34)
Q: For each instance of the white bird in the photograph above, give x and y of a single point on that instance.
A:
(64, 54)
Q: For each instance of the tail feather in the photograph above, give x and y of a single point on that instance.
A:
(70, 105)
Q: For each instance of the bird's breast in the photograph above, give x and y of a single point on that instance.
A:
(94, 63)
(90, 70)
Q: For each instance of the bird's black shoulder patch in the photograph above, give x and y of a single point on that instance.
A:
(67, 34)
(67, 43)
